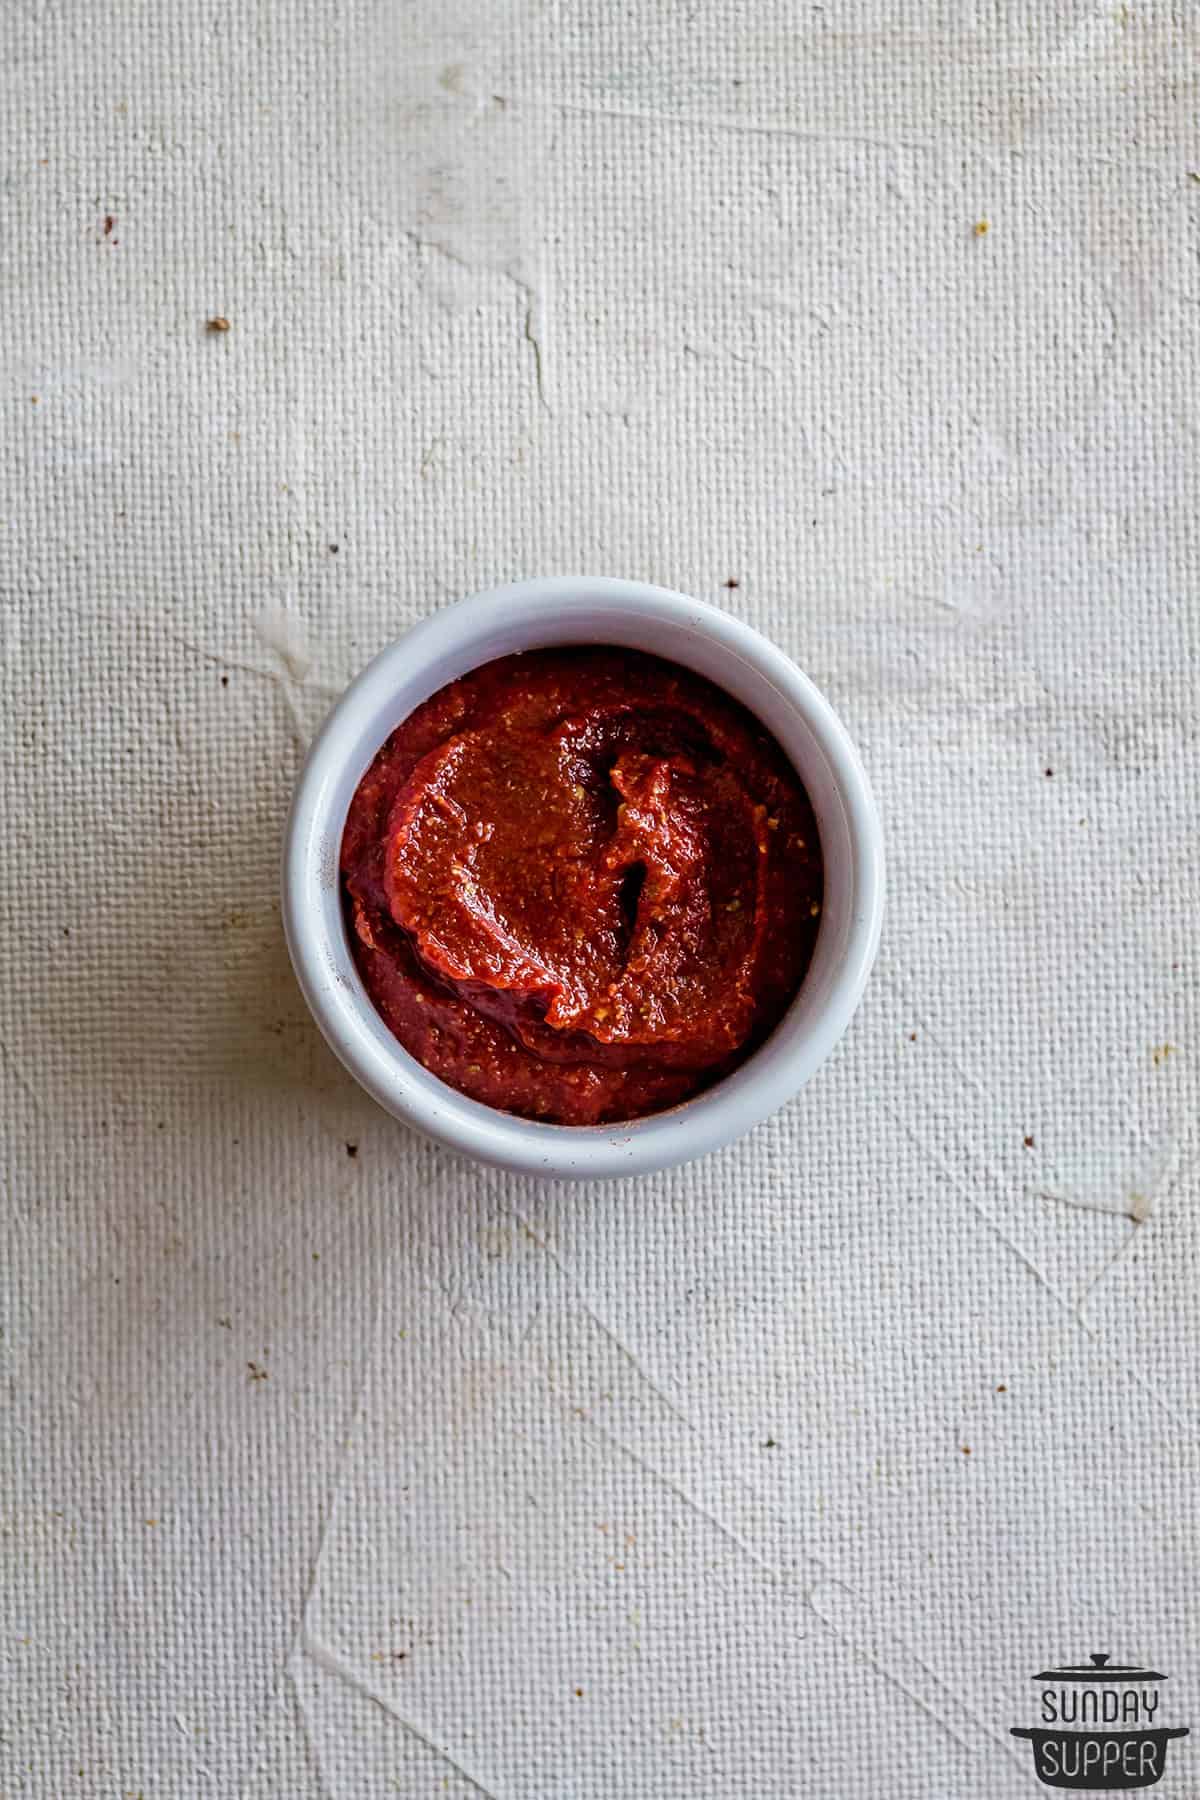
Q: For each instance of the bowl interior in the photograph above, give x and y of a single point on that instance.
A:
(537, 615)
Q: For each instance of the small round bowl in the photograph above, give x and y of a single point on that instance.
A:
(531, 615)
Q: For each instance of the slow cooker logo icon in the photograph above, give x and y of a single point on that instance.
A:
(1100, 1726)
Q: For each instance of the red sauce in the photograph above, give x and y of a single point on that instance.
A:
(581, 885)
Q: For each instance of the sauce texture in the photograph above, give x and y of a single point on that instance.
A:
(581, 884)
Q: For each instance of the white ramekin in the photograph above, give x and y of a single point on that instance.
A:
(525, 616)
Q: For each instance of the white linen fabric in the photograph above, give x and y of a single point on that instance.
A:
(335, 1465)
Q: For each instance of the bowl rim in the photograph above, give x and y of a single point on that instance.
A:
(319, 947)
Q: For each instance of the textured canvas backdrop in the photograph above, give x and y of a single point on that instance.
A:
(335, 1466)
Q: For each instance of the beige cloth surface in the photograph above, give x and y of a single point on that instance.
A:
(333, 1465)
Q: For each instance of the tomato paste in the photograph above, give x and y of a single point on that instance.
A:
(581, 884)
